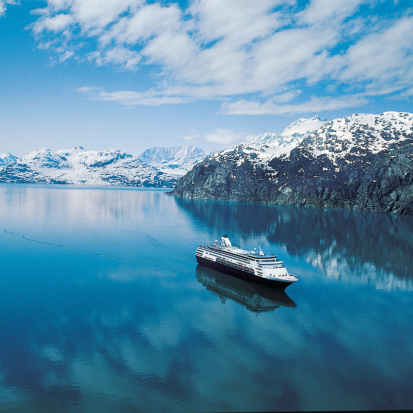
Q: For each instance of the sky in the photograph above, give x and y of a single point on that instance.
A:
(133, 74)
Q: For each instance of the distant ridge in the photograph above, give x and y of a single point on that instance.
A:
(162, 168)
(78, 166)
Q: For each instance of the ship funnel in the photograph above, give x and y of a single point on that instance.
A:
(225, 242)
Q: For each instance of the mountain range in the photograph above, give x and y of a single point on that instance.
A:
(156, 167)
(362, 162)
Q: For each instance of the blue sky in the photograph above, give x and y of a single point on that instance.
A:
(132, 74)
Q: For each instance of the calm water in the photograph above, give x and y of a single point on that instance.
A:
(104, 309)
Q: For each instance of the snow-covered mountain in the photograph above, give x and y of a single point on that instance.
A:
(274, 144)
(175, 159)
(361, 162)
(7, 159)
(79, 166)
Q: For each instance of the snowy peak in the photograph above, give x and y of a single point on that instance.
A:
(175, 159)
(7, 159)
(360, 132)
(304, 126)
(44, 158)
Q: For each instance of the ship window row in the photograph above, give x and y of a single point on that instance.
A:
(237, 266)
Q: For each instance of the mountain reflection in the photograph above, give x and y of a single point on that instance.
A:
(347, 245)
(256, 298)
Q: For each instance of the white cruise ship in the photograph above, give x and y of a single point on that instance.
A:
(253, 266)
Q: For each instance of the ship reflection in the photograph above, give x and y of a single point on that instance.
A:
(254, 297)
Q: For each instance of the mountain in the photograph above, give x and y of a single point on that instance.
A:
(362, 162)
(7, 159)
(78, 166)
(175, 159)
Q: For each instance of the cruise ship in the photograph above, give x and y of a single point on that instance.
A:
(253, 266)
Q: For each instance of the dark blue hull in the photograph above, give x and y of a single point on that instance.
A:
(243, 274)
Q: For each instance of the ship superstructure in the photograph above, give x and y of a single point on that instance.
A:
(253, 266)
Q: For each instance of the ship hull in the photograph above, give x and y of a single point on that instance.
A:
(243, 275)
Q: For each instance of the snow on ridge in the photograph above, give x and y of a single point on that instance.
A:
(7, 159)
(270, 145)
(44, 158)
(373, 133)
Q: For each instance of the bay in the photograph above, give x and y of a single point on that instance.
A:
(104, 308)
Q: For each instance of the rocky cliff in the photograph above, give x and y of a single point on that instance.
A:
(360, 162)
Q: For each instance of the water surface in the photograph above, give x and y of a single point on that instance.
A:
(105, 309)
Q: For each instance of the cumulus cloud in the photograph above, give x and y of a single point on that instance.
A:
(54, 24)
(223, 49)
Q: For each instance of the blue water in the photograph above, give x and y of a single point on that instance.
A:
(104, 308)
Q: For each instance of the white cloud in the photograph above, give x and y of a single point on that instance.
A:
(130, 98)
(92, 14)
(4, 3)
(333, 11)
(382, 58)
(118, 55)
(226, 137)
(314, 105)
(190, 137)
(408, 93)
(55, 24)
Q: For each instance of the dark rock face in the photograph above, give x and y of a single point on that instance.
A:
(361, 179)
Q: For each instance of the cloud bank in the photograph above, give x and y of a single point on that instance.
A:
(267, 57)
